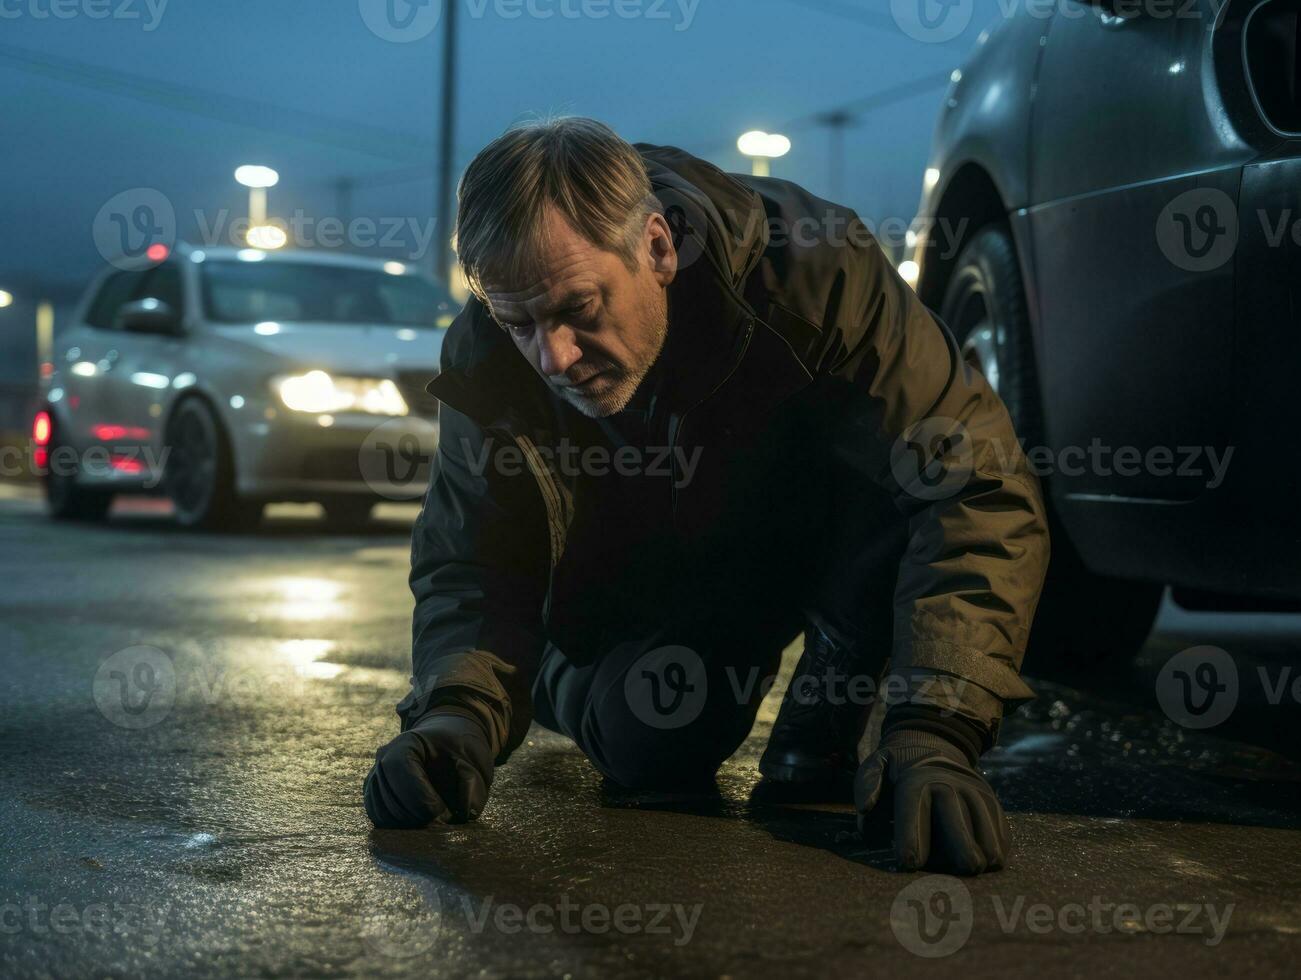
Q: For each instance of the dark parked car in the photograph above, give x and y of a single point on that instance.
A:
(1111, 225)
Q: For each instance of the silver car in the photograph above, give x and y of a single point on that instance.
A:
(230, 378)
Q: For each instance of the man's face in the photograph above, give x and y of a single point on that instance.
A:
(587, 323)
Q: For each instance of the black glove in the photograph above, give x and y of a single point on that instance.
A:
(946, 817)
(438, 770)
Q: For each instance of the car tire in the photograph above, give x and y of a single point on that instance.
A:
(65, 498)
(1083, 619)
(199, 473)
(347, 513)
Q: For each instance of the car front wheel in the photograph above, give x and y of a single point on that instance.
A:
(199, 473)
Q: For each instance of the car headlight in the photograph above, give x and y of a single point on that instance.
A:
(321, 393)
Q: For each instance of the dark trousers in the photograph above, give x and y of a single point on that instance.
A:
(668, 707)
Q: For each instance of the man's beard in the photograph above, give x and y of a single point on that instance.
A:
(617, 396)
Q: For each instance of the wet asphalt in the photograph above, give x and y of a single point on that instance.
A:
(215, 827)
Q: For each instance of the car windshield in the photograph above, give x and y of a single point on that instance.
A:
(246, 292)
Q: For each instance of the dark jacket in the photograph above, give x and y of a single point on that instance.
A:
(798, 368)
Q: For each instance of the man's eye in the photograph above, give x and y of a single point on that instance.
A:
(520, 330)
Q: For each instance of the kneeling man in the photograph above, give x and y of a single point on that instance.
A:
(687, 415)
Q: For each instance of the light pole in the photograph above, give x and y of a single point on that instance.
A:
(257, 179)
(761, 147)
(836, 122)
(446, 149)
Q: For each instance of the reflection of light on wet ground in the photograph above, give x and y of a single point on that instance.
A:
(307, 598)
(305, 657)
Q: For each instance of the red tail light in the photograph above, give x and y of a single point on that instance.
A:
(41, 438)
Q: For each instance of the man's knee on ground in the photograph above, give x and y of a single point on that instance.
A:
(638, 755)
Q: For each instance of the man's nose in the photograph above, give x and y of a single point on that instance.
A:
(558, 350)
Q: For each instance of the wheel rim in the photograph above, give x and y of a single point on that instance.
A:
(980, 350)
(974, 322)
(192, 466)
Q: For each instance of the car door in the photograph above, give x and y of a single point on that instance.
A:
(88, 358)
(136, 388)
(1133, 182)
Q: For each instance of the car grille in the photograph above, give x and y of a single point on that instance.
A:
(412, 385)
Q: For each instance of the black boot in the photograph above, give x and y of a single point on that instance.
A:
(822, 717)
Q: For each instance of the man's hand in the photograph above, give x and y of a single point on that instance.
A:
(946, 817)
(439, 770)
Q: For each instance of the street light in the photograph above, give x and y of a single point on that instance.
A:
(268, 237)
(257, 179)
(761, 147)
(6, 298)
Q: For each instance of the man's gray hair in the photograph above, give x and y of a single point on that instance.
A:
(595, 179)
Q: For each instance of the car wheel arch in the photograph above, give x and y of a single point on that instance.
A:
(969, 201)
(210, 402)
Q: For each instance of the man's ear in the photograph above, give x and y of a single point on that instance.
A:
(660, 253)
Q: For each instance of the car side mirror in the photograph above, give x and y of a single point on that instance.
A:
(148, 316)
